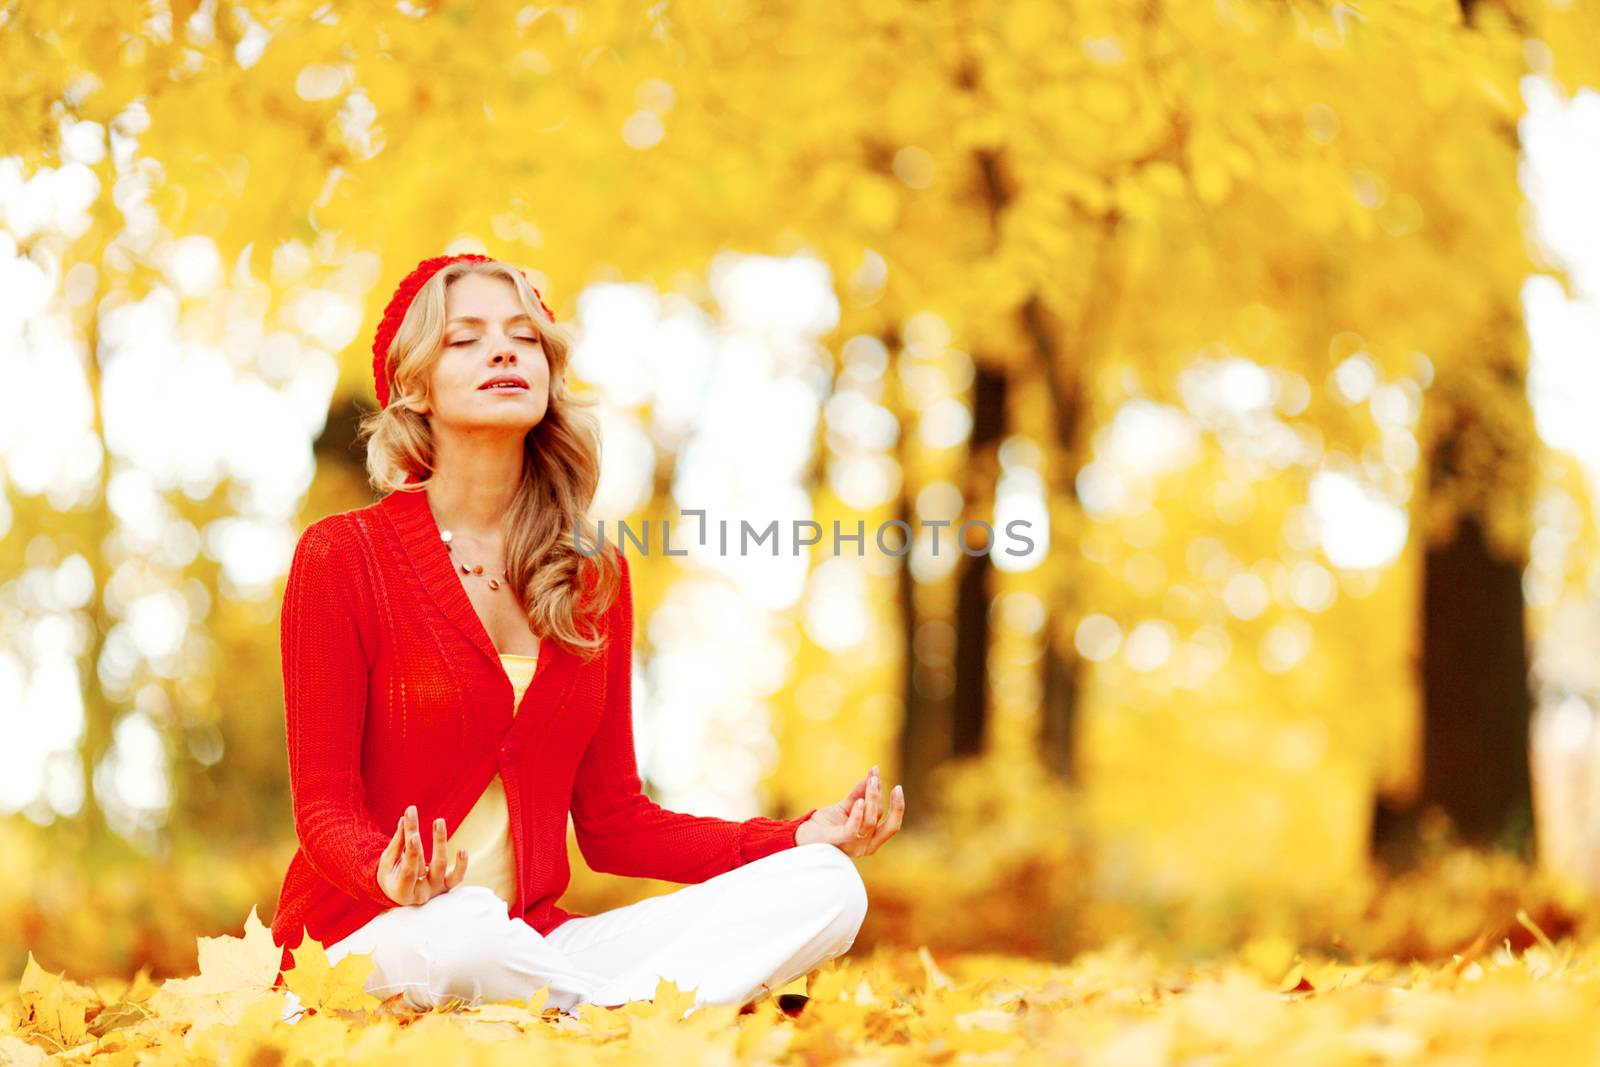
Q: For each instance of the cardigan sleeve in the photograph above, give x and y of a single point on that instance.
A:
(620, 830)
(325, 706)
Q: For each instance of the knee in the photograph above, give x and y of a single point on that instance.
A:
(840, 886)
(465, 940)
(476, 900)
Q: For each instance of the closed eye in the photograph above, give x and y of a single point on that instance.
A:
(473, 340)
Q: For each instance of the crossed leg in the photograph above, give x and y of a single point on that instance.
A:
(461, 945)
(732, 938)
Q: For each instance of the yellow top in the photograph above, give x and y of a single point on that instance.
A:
(486, 831)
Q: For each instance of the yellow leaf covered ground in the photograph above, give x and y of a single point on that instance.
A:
(999, 939)
(1120, 1004)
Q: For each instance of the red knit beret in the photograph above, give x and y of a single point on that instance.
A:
(400, 303)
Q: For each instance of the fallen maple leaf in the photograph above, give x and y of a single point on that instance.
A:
(325, 987)
(233, 972)
(54, 1008)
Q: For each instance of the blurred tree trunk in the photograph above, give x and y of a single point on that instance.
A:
(925, 725)
(943, 722)
(1476, 702)
(1058, 715)
(1474, 668)
(973, 590)
(1476, 699)
(1058, 720)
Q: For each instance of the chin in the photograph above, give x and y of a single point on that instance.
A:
(522, 419)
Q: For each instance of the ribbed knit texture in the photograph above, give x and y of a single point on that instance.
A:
(394, 695)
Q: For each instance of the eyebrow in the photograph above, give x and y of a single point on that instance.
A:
(479, 322)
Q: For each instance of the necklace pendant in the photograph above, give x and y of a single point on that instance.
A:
(493, 584)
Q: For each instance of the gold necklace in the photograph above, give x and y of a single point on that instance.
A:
(494, 583)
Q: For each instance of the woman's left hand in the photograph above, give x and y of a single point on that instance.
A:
(852, 824)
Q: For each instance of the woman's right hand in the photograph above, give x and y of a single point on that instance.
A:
(402, 874)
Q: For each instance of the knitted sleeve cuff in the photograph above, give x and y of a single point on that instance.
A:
(372, 855)
(360, 878)
(762, 836)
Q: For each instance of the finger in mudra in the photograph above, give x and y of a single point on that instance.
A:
(860, 823)
(405, 876)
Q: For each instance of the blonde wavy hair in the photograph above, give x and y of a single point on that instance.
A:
(547, 519)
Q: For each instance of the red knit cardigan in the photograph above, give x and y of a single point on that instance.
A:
(394, 695)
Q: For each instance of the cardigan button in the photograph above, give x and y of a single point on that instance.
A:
(508, 751)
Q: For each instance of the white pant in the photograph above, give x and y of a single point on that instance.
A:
(732, 939)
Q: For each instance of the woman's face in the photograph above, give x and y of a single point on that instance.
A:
(488, 336)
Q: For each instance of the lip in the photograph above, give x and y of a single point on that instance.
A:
(515, 379)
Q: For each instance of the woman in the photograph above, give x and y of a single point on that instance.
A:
(458, 656)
